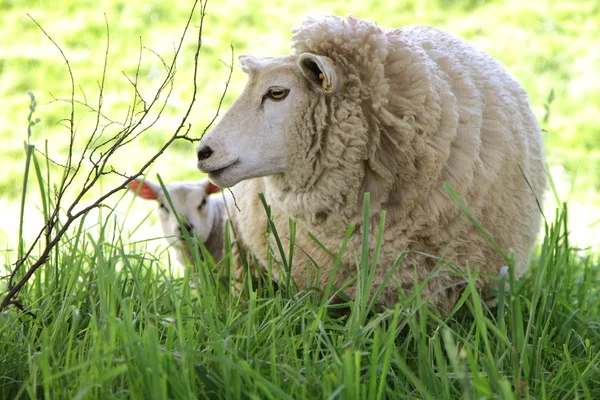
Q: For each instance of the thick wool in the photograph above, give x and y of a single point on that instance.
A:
(416, 108)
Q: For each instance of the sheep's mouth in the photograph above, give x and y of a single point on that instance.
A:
(218, 171)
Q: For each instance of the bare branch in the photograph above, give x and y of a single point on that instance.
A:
(134, 83)
(18, 304)
(165, 65)
(47, 157)
(220, 102)
(85, 103)
(105, 150)
(72, 79)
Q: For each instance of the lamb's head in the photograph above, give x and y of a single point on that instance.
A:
(259, 132)
(191, 202)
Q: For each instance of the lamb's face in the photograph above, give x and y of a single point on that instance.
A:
(191, 202)
(253, 138)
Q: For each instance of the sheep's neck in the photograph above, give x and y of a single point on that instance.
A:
(325, 178)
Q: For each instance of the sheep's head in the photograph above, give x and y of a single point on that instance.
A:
(191, 202)
(254, 137)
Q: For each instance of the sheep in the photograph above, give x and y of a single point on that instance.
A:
(396, 113)
(200, 213)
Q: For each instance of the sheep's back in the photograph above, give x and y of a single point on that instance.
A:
(486, 144)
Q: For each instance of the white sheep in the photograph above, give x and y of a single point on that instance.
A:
(200, 213)
(395, 113)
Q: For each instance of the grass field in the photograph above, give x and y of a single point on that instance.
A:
(111, 322)
(114, 319)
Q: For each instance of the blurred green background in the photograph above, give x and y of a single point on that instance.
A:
(549, 46)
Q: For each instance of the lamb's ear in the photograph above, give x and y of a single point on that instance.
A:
(212, 188)
(144, 189)
(320, 71)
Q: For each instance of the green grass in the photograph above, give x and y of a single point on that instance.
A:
(111, 321)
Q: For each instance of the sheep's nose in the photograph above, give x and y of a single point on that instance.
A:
(204, 153)
(189, 228)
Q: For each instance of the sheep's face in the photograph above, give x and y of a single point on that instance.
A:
(191, 202)
(253, 138)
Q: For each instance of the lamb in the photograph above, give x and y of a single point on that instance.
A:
(396, 113)
(200, 213)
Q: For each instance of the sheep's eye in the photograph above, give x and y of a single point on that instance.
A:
(203, 204)
(162, 207)
(277, 93)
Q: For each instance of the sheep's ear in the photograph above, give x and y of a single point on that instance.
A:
(143, 189)
(320, 71)
(212, 188)
(248, 63)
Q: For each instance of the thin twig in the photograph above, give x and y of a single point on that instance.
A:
(84, 103)
(131, 131)
(220, 101)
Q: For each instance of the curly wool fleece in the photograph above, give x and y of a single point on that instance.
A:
(415, 108)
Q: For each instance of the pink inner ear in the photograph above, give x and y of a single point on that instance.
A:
(146, 192)
(212, 188)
